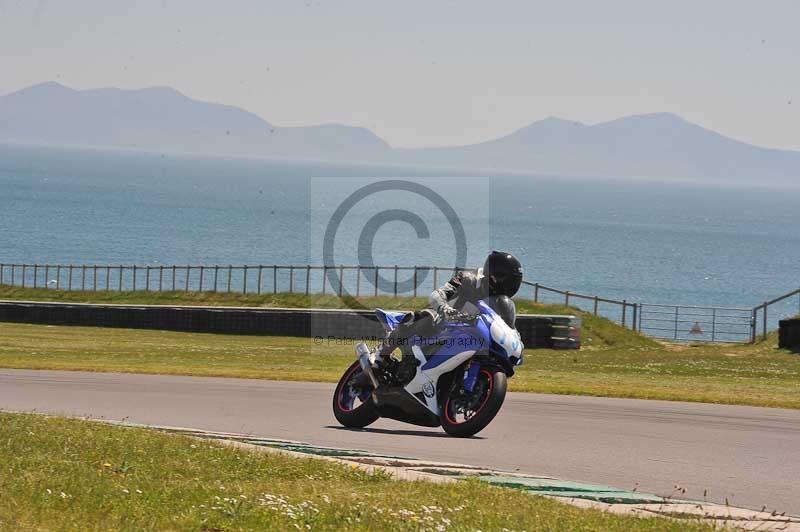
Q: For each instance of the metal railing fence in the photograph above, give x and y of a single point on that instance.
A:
(696, 324)
(782, 307)
(622, 311)
(340, 280)
(247, 279)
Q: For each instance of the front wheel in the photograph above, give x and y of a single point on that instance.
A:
(465, 414)
(352, 401)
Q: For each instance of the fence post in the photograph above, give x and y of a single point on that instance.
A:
(566, 299)
(713, 323)
(635, 315)
(260, 272)
(395, 280)
(186, 281)
(308, 277)
(275, 279)
(435, 278)
(94, 278)
(161, 278)
(216, 276)
(341, 280)
(324, 278)
(147, 279)
(83, 277)
(2, 267)
(291, 279)
(58, 277)
(35, 274)
(358, 280)
(415, 281)
(676, 322)
(376, 280)
(202, 274)
(595, 305)
(764, 332)
(753, 321)
(108, 278)
(230, 269)
(133, 288)
(624, 311)
(535, 292)
(244, 280)
(640, 312)
(46, 276)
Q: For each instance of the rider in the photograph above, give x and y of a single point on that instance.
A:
(501, 275)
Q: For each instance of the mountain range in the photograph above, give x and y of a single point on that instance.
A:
(656, 146)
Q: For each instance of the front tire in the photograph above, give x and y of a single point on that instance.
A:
(352, 405)
(464, 415)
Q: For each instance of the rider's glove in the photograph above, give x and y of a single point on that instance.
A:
(447, 310)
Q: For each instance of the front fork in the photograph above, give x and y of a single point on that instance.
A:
(366, 359)
(471, 375)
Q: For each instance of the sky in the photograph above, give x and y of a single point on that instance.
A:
(429, 73)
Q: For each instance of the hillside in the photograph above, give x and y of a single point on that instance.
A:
(657, 146)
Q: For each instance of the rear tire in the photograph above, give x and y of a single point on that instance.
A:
(345, 410)
(493, 381)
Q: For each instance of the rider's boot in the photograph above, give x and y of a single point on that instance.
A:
(419, 322)
(383, 350)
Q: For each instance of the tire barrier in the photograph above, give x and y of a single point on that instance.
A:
(789, 334)
(537, 331)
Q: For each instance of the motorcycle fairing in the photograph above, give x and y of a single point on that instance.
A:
(505, 341)
(454, 344)
(389, 319)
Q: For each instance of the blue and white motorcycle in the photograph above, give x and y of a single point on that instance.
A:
(455, 378)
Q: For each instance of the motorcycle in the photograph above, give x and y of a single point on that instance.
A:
(456, 378)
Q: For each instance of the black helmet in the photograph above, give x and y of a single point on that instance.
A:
(503, 272)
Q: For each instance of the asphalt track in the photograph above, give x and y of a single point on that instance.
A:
(749, 456)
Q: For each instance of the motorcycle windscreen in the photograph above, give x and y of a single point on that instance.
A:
(389, 319)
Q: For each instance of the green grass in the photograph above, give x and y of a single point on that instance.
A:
(613, 362)
(64, 474)
(760, 374)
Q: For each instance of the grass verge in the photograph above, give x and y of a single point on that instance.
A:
(66, 474)
(759, 375)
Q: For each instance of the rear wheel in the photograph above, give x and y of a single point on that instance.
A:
(465, 414)
(352, 400)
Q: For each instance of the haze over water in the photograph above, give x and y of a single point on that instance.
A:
(645, 242)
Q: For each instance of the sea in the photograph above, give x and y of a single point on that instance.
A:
(669, 243)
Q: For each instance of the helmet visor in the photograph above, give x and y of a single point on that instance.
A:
(506, 285)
